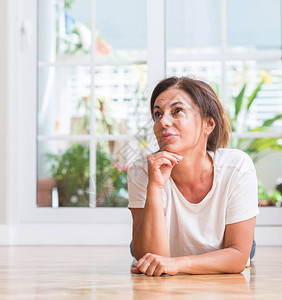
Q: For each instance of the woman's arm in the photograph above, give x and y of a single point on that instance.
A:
(149, 225)
(232, 259)
(150, 234)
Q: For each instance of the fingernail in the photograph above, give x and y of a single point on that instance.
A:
(178, 161)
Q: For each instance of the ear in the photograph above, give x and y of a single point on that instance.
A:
(209, 125)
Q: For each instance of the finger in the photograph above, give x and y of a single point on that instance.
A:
(156, 164)
(144, 267)
(175, 158)
(159, 270)
(166, 154)
(164, 161)
(172, 160)
(151, 269)
(173, 154)
(142, 259)
(144, 262)
(135, 271)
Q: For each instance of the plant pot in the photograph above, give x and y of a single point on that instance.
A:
(72, 194)
(267, 202)
(44, 191)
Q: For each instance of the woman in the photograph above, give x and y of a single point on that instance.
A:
(193, 203)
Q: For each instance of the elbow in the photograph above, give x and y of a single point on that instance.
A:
(238, 265)
(237, 261)
(235, 269)
(239, 269)
(243, 264)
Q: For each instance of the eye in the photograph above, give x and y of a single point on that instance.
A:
(178, 110)
(157, 115)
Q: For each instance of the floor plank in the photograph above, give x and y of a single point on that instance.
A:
(104, 273)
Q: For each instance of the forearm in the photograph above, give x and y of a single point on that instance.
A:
(228, 260)
(151, 234)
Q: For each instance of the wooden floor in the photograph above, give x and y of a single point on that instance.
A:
(104, 273)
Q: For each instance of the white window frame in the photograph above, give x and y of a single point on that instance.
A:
(25, 105)
(66, 225)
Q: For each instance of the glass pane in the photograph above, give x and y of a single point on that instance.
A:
(121, 30)
(267, 157)
(112, 161)
(254, 26)
(63, 100)
(64, 30)
(120, 94)
(254, 95)
(62, 174)
(192, 28)
(209, 71)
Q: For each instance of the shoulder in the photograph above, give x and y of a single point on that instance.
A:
(138, 168)
(225, 157)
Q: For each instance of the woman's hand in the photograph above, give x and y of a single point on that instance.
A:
(160, 165)
(155, 265)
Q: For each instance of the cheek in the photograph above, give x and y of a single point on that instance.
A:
(189, 128)
(156, 129)
(182, 124)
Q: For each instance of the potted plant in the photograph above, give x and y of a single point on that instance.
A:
(44, 191)
(70, 169)
(113, 189)
(269, 198)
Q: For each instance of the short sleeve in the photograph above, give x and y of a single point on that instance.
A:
(243, 200)
(137, 180)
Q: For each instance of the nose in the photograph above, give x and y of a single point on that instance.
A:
(166, 120)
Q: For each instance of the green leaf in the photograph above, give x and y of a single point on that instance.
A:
(269, 122)
(259, 129)
(253, 95)
(261, 144)
(239, 101)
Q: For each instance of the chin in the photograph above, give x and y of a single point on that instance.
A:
(170, 148)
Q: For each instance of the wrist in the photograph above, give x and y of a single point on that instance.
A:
(154, 187)
(184, 265)
(154, 195)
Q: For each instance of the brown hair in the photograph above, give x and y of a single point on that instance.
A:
(207, 101)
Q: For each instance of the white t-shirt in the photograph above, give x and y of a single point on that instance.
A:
(199, 228)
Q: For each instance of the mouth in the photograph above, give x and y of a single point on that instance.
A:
(168, 136)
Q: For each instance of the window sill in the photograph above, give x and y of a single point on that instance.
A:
(269, 216)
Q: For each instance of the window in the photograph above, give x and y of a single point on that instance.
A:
(91, 82)
(87, 56)
(236, 46)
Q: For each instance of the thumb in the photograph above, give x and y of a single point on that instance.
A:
(135, 271)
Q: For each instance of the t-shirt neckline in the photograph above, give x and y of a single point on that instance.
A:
(212, 155)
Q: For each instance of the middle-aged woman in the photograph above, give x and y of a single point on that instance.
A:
(193, 202)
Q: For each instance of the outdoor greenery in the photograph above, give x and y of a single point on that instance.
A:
(71, 168)
(111, 181)
(256, 147)
(71, 171)
(269, 198)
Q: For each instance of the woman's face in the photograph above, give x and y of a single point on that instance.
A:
(178, 125)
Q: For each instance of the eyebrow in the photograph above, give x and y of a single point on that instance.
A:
(173, 104)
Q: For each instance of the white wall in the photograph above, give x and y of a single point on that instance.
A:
(3, 108)
(269, 178)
